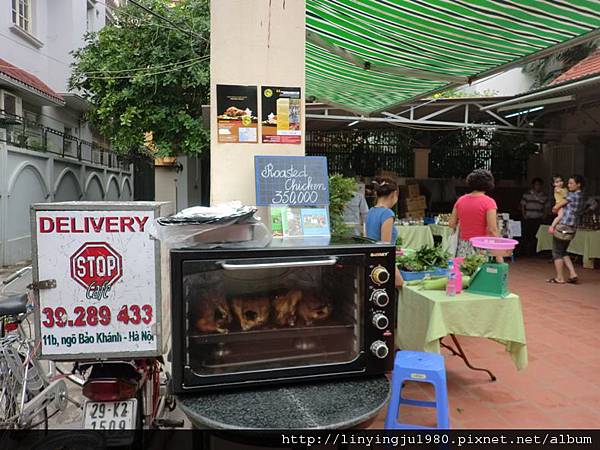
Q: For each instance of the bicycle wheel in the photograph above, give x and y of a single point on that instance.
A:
(10, 383)
(18, 381)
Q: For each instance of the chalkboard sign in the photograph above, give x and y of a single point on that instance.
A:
(291, 180)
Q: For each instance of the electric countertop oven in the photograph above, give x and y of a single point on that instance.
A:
(295, 310)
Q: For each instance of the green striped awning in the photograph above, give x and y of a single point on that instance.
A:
(367, 55)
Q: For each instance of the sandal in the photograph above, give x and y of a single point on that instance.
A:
(573, 280)
(554, 281)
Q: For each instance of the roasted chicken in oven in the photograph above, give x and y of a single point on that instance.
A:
(212, 312)
(313, 308)
(285, 307)
(251, 312)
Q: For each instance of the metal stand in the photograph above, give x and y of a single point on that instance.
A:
(460, 352)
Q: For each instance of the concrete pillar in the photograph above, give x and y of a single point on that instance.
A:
(261, 43)
(165, 184)
(421, 162)
(82, 180)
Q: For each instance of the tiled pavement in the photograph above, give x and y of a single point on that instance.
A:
(561, 386)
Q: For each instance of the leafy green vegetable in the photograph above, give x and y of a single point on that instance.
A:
(409, 263)
(471, 263)
(440, 284)
(433, 257)
(424, 259)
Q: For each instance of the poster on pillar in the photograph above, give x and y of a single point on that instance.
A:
(237, 109)
(281, 115)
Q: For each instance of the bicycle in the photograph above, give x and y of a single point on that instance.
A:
(29, 397)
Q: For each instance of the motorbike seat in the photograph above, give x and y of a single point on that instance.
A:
(13, 305)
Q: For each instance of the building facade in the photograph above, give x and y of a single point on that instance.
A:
(48, 152)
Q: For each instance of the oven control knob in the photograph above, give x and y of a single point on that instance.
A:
(380, 298)
(380, 321)
(379, 349)
(380, 275)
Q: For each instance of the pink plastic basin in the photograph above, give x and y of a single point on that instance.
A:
(493, 243)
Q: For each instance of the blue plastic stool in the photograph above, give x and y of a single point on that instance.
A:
(424, 368)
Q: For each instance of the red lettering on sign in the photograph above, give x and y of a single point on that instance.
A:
(112, 224)
(62, 224)
(74, 226)
(46, 225)
(97, 225)
(127, 222)
(109, 224)
(141, 222)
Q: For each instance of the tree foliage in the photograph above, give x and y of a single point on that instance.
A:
(146, 74)
(457, 93)
(548, 68)
(341, 190)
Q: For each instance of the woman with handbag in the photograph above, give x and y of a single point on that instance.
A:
(565, 230)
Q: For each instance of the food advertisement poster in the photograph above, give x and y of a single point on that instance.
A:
(277, 218)
(237, 109)
(105, 300)
(281, 114)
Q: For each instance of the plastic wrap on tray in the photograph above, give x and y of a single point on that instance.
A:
(219, 214)
(230, 225)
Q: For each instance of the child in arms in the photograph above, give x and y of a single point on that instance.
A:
(560, 193)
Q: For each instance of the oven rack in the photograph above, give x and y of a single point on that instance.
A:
(269, 334)
(278, 361)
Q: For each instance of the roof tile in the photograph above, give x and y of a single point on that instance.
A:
(28, 79)
(586, 67)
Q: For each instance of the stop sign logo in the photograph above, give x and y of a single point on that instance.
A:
(96, 264)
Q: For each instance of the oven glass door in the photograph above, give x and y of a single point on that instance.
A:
(265, 314)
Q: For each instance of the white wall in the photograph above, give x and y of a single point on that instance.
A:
(259, 42)
(511, 82)
(28, 177)
(60, 26)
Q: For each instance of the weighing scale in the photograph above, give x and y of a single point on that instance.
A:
(492, 277)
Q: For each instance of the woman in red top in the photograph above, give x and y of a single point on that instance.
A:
(475, 213)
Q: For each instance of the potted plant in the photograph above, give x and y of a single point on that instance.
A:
(341, 190)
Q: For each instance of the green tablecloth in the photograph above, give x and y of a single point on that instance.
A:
(415, 236)
(424, 317)
(444, 231)
(586, 242)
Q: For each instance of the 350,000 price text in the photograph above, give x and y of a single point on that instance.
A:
(292, 198)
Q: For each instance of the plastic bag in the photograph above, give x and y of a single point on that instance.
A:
(228, 225)
(453, 242)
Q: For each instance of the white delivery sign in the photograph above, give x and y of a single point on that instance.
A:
(105, 300)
